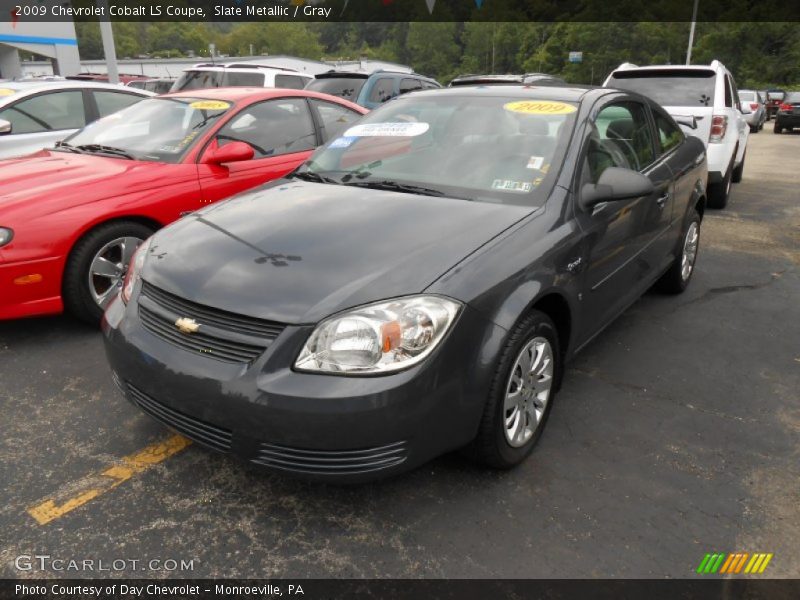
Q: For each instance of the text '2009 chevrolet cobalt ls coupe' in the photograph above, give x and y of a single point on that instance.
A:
(416, 286)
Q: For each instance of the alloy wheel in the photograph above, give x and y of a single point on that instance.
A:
(690, 244)
(108, 268)
(528, 391)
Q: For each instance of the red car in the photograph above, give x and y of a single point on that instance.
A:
(71, 217)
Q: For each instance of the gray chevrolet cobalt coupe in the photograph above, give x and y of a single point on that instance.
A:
(417, 286)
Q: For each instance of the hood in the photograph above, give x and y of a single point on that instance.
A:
(297, 252)
(59, 180)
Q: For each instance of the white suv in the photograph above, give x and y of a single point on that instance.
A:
(210, 75)
(703, 99)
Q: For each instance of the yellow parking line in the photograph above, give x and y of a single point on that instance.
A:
(47, 511)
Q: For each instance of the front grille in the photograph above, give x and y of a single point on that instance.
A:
(331, 462)
(200, 431)
(221, 319)
(210, 346)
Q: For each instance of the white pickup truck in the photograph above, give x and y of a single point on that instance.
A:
(704, 100)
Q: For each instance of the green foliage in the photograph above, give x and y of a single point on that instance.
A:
(758, 54)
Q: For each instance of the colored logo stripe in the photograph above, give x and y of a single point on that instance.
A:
(737, 562)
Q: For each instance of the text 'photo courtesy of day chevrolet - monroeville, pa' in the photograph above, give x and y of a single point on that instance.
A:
(400, 299)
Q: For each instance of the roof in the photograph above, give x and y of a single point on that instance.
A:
(631, 67)
(333, 74)
(254, 94)
(245, 66)
(564, 93)
(27, 87)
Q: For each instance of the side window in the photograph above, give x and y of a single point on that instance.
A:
(335, 119)
(46, 112)
(293, 82)
(407, 84)
(272, 128)
(624, 132)
(728, 93)
(429, 85)
(669, 135)
(236, 79)
(111, 102)
(735, 92)
(383, 90)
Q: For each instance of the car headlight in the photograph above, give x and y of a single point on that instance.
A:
(378, 338)
(6, 235)
(134, 270)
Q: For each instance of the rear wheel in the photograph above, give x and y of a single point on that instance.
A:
(739, 171)
(777, 129)
(719, 192)
(521, 395)
(677, 277)
(97, 267)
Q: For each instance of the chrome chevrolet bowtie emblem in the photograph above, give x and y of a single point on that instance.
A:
(187, 325)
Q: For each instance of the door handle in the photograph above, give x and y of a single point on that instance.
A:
(662, 200)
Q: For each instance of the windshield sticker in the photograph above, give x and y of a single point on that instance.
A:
(540, 107)
(342, 142)
(537, 182)
(188, 139)
(387, 130)
(536, 162)
(511, 186)
(210, 105)
(7, 92)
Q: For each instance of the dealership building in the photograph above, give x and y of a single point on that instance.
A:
(54, 41)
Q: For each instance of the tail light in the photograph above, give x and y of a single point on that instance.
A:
(719, 124)
(786, 107)
(754, 106)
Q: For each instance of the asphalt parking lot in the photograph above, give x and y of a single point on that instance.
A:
(677, 433)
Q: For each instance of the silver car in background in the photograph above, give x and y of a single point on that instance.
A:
(37, 114)
(758, 115)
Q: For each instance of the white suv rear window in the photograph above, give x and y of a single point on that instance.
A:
(669, 87)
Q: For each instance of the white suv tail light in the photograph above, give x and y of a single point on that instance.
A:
(719, 124)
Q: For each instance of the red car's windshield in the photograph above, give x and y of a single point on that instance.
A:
(158, 129)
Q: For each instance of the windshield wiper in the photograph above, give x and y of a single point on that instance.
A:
(67, 147)
(100, 149)
(315, 177)
(394, 186)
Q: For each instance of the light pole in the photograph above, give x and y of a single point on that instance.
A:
(691, 33)
(107, 34)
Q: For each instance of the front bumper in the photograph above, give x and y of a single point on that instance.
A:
(40, 296)
(333, 428)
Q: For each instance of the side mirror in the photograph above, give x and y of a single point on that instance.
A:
(687, 121)
(5, 127)
(615, 183)
(232, 152)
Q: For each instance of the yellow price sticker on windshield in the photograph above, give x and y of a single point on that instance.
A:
(540, 107)
(210, 105)
(7, 92)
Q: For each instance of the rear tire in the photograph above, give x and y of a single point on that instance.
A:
(719, 192)
(110, 244)
(504, 441)
(738, 172)
(777, 129)
(679, 274)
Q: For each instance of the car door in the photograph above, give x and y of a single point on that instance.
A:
(622, 240)
(282, 135)
(40, 120)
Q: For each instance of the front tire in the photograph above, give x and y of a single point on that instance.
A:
(521, 394)
(678, 276)
(97, 265)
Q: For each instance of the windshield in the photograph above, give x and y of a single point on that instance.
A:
(747, 96)
(492, 149)
(203, 80)
(157, 129)
(669, 87)
(344, 87)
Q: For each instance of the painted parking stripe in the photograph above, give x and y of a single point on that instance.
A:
(99, 483)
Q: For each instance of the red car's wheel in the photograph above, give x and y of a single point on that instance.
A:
(97, 265)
